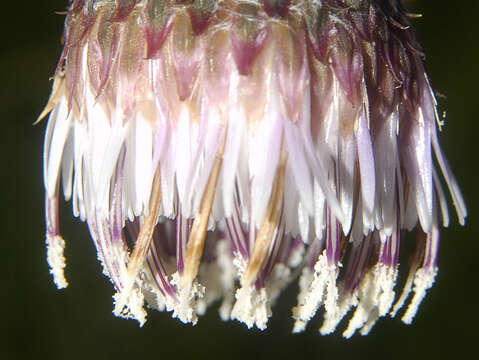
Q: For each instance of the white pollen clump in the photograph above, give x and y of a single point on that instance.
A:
(373, 317)
(240, 263)
(227, 278)
(423, 280)
(252, 307)
(375, 298)
(331, 316)
(386, 277)
(130, 305)
(296, 257)
(404, 294)
(56, 260)
(153, 296)
(278, 280)
(209, 273)
(186, 309)
(226, 307)
(349, 301)
(368, 294)
(322, 289)
(307, 277)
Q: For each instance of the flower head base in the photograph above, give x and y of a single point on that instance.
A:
(217, 148)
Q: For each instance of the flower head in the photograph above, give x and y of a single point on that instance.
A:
(219, 148)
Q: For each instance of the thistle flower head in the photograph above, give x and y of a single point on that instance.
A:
(219, 148)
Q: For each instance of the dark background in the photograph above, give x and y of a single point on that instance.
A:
(38, 321)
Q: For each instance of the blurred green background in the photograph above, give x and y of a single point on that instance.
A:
(77, 323)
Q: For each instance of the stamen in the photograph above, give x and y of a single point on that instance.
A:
(55, 244)
(196, 241)
(129, 303)
(189, 289)
(268, 227)
(417, 256)
(253, 306)
(146, 230)
(57, 92)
